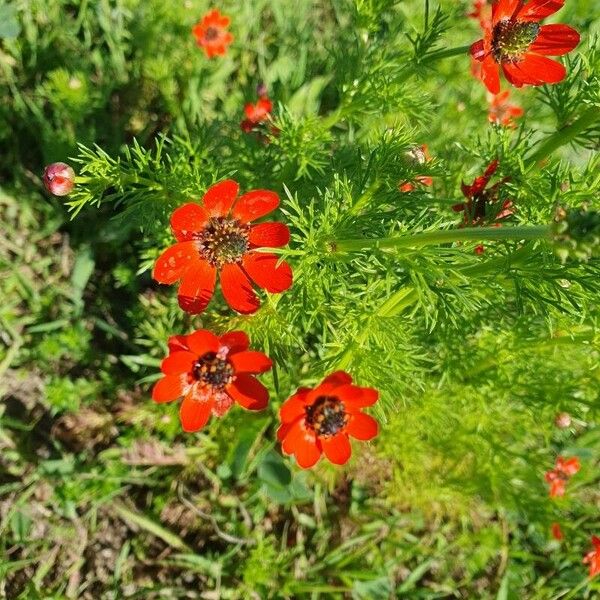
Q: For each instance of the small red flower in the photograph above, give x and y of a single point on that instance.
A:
(211, 373)
(516, 42)
(502, 112)
(211, 34)
(256, 114)
(419, 155)
(59, 179)
(480, 207)
(559, 476)
(218, 236)
(320, 420)
(557, 533)
(593, 558)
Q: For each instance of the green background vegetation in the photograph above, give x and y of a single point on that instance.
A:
(103, 496)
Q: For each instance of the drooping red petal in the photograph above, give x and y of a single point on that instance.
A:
(169, 388)
(536, 10)
(237, 290)
(255, 204)
(250, 361)
(203, 341)
(294, 407)
(187, 220)
(177, 342)
(248, 392)
(195, 409)
(175, 261)
(268, 272)
(555, 40)
(362, 427)
(197, 287)
(269, 235)
(220, 197)
(337, 448)
(178, 362)
(477, 50)
(490, 74)
(236, 341)
(303, 443)
(534, 69)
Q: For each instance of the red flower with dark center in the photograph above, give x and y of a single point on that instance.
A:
(211, 373)
(211, 34)
(218, 236)
(319, 420)
(480, 207)
(256, 114)
(593, 558)
(502, 112)
(418, 155)
(517, 43)
(559, 476)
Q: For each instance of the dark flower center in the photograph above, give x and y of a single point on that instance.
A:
(510, 39)
(326, 415)
(223, 241)
(212, 369)
(211, 34)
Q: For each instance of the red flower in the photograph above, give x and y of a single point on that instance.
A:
(593, 558)
(211, 34)
(419, 155)
(515, 41)
(256, 114)
(502, 111)
(559, 476)
(211, 373)
(218, 236)
(557, 533)
(480, 207)
(320, 420)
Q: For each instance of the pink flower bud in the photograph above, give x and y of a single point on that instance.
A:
(59, 179)
(261, 89)
(563, 420)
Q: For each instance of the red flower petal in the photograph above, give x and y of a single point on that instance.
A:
(187, 220)
(220, 197)
(534, 69)
(203, 341)
(255, 204)
(270, 235)
(267, 273)
(236, 341)
(536, 10)
(504, 9)
(178, 362)
(294, 407)
(337, 448)
(248, 392)
(367, 397)
(555, 40)
(237, 290)
(338, 378)
(197, 287)
(250, 362)
(362, 427)
(169, 388)
(490, 74)
(477, 50)
(195, 409)
(303, 443)
(177, 342)
(175, 261)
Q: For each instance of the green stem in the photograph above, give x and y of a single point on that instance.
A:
(449, 52)
(442, 236)
(565, 135)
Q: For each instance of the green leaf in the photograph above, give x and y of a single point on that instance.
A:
(273, 471)
(9, 22)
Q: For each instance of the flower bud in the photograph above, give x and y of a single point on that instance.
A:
(562, 420)
(576, 233)
(261, 89)
(59, 179)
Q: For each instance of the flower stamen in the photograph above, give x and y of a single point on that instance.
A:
(326, 416)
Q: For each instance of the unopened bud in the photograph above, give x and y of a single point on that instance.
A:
(562, 420)
(261, 89)
(59, 179)
(576, 233)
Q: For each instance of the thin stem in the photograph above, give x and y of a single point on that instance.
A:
(449, 52)
(565, 135)
(442, 236)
